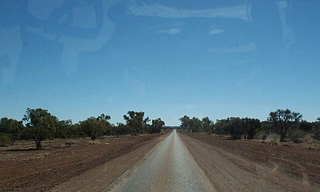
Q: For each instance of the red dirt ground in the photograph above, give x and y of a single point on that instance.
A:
(41, 170)
(296, 162)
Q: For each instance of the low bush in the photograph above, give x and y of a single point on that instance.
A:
(4, 140)
(261, 135)
(316, 134)
(296, 135)
(273, 137)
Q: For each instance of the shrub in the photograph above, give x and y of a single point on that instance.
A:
(316, 134)
(261, 135)
(273, 137)
(296, 135)
(4, 140)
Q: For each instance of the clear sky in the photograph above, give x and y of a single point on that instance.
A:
(168, 58)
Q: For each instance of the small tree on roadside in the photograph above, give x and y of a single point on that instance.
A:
(104, 121)
(121, 129)
(12, 128)
(235, 127)
(184, 123)
(316, 129)
(251, 127)
(156, 125)
(96, 127)
(220, 127)
(281, 120)
(305, 126)
(136, 122)
(40, 125)
(207, 125)
(64, 129)
(195, 124)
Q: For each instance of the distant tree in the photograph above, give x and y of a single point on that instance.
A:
(121, 129)
(220, 127)
(12, 128)
(251, 127)
(296, 135)
(195, 124)
(4, 140)
(305, 126)
(316, 129)
(281, 120)
(96, 127)
(40, 125)
(156, 125)
(146, 127)
(296, 120)
(104, 120)
(235, 127)
(184, 123)
(207, 125)
(77, 130)
(65, 129)
(135, 121)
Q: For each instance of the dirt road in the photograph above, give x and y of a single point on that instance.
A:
(171, 162)
(184, 163)
(83, 166)
(249, 166)
(169, 168)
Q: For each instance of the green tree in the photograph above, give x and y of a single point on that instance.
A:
(136, 122)
(40, 125)
(251, 127)
(281, 120)
(184, 123)
(220, 127)
(12, 128)
(156, 125)
(316, 129)
(195, 124)
(207, 125)
(104, 120)
(235, 127)
(4, 140)
(146, 127)
(305, 126)
(121, 129)
(96, 127)
(65, 129)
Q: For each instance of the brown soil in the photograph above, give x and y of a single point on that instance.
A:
(61, 160)
(244, 165)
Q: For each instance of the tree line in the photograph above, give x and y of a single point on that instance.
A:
(38, 124)
(284, 123)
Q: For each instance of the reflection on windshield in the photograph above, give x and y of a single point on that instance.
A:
(237, 44)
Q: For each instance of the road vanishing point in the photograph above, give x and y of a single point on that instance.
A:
(170, 167)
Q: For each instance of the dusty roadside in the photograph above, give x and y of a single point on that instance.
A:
(101, 177)
(84, 166)
(249, 166)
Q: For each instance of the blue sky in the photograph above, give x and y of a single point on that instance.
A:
(167, 58)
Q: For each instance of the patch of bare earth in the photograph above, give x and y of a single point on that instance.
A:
(240, 165)
(85, 165)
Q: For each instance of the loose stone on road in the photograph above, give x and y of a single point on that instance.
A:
(169, 168)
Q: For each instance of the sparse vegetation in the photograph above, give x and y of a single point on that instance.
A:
(40, 125)
(316, 130)
(279, 125)
(261, 135)
(4, 140)
(272, 138)
(296, 135)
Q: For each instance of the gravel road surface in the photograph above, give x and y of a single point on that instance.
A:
(230, 170)
(169, 168)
